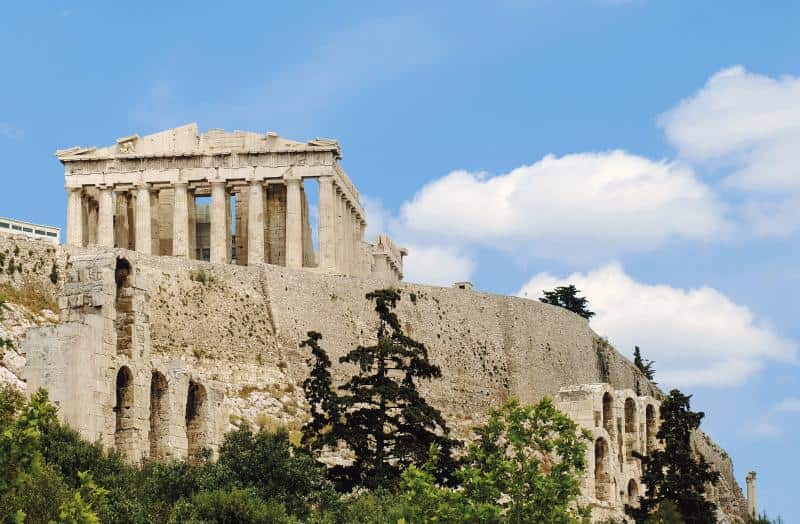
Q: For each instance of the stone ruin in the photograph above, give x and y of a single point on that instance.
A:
(142, 194)
(159, 356)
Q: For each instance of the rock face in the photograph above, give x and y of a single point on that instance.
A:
(160, 356)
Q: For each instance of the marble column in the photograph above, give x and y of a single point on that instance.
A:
(144, 224)
(180, 220)
(326, 232)
(192, 206)
(219, 224)
(122, 226)
(75, 217)
(155, 206)
(91, 221)
(105, 218)
(348, 238)
(294, 226)
(339, 240)
(255, 224)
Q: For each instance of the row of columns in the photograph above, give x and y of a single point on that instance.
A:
(340, 227)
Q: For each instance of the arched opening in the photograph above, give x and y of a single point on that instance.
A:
(608, 413)
(602, 487)
(124, 307)
(123, 409)
(650, 428)
(630, 426)
(196, 420)
(633, 493)
(159, 417)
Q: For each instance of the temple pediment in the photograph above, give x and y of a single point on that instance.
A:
(188, 141)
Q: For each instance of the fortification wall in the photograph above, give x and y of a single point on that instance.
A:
(235, 331)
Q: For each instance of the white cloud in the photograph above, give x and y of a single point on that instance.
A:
(696, 336)
(437, 265)
(378, 217)
(790, 404)
(573, 206)
(748, 124)
(762, 429)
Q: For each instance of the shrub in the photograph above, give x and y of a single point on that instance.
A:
(236, 506)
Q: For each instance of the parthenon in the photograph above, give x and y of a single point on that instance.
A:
(144, 194)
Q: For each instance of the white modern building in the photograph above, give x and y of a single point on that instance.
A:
(50, 234)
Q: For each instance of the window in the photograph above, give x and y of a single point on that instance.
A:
(16, 227)
(27, 229)
(4, 225)
(51, 234)
(39, 232)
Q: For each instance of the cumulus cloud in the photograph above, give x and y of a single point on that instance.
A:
(748, 124)
(696, 336)
(573, 206)
(437, 265)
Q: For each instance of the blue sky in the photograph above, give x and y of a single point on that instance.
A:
(646, 150)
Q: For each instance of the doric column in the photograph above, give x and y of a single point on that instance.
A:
(255, 223)
(122, 225)
(91, 221)
(341, 264)
(155, 222)
(192, 205)
(75, 217)
(105, 218)
(144, 237)
(180, 220)
(348, 238)
(219, 224)
(294, 226)
(327, 242)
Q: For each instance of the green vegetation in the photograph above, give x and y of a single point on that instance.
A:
(647, 367)
(672, 475)
(567, 297)
(380, 415)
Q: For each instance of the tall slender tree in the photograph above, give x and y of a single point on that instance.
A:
(645, 366)
(673, 473)
(379, 415)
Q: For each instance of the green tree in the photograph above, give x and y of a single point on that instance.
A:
(567, 297)
(673, 474)
(79, 508)
(322, 399)
(533, 455)
(238, 506)
(380, 415)
(645, 366)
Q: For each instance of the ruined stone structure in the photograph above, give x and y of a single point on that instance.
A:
(141, 194)
(159, 356)
(619, 422)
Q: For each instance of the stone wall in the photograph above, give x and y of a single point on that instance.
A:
(233, 334)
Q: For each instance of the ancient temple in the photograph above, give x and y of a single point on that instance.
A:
(227, 197)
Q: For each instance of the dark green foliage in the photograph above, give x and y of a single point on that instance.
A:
(269, 465)
(674, 474)
(380, 416)
(567, 297)
(237, 506)
(322, 399)
(666, 513)
(645, 366)
(763, 518)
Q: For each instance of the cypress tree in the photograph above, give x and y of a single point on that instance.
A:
(673, 474)
(379, 414)
(567, 297)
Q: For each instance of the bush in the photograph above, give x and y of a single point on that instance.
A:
(234, 507)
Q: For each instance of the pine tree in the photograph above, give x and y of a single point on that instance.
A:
(645, 366)
(673, 474)
(324, 402)
(567, 297)
(380, 415)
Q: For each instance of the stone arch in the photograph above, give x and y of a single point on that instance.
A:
(123, 408)
(650, 428)
(602, 475)
(608, 413)
(124, 306)
(196, 420)
(633, 492)
(630, 426)
(159, 416)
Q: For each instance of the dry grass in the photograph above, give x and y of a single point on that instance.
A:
(31, 295)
